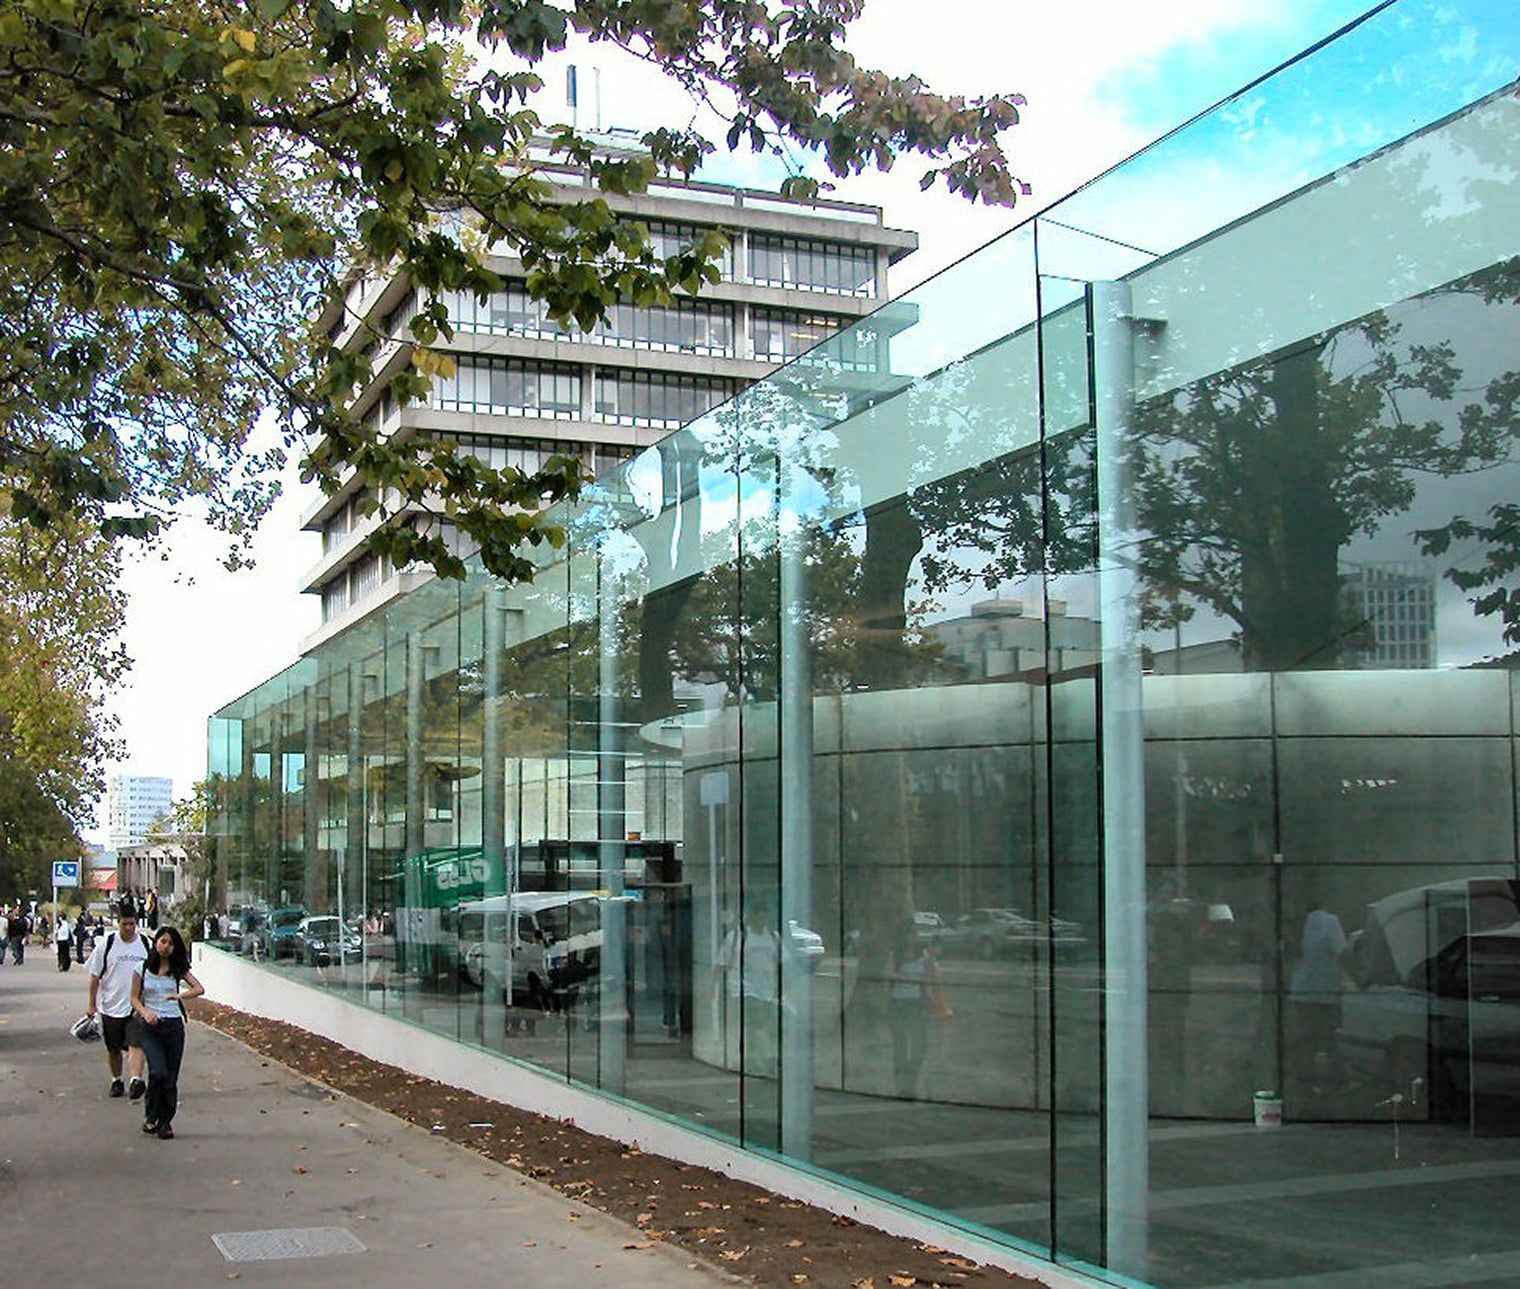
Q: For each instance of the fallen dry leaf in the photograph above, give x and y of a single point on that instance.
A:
(795, 1244)
(865, 1282)
(732, 1255)
(965, 1264)
(644, 1219)
(799, 1279)
(639, 1244)
(903, 1281)
(299, 1169)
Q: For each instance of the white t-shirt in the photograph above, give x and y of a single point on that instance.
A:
(127, 957)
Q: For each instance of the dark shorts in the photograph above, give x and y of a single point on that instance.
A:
(121, 1032)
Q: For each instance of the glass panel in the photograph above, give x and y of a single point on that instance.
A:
(1313, 423)
(1091, 996)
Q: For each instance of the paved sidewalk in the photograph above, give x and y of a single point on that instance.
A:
(261, 1149)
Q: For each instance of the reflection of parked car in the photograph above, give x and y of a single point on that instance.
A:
(542, 946)
(999, 932)
(929, 925)
(1195, 931)
(803, 942)
(280, 933)
(1435, 1012)
(322, 941)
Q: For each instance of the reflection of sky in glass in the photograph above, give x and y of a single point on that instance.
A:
(1402, 68)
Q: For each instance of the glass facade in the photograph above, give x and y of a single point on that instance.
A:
(1063, 779)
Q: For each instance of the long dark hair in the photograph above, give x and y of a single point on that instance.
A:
(179, 956)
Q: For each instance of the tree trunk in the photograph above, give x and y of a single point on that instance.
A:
(894, 538)
(1291, 606)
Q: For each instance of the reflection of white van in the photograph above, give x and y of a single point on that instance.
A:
(546, 943)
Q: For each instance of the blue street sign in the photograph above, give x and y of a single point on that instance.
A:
(66, 872)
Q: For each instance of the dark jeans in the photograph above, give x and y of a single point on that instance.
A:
(63, 955)
(164, 1046)
(18, 949)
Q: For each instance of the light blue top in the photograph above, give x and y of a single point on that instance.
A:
(155, 994)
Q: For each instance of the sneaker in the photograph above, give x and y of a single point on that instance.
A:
(118, 1088)
(164, 1131)
(137, 1089)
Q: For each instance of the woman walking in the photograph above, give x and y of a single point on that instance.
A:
(158, 999)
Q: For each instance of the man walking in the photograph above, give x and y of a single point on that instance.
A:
(116, 960)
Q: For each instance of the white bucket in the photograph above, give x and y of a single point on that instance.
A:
(1268, 1107)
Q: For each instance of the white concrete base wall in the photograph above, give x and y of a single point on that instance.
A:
(263, 992)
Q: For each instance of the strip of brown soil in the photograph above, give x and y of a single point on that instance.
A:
(751, 1233)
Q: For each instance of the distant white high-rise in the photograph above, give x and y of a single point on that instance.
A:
(133, 803)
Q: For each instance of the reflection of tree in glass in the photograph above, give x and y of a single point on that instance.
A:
(773, 422)
(729, 633)
(1249, 483)
(1025, 508)
(1498, 531)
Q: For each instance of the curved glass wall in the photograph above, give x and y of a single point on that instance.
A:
(1059, 776)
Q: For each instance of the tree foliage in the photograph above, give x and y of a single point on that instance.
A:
(58, 657)
(180, 178)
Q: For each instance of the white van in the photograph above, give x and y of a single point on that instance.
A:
(546, 943)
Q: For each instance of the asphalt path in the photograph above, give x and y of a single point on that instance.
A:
(259, 1149)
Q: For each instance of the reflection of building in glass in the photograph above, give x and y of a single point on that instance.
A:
(1115, 859)
(1398, 607)
(1000, 639)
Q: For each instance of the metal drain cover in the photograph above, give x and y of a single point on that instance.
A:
(297, 1242)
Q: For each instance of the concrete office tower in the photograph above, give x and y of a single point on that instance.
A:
(527, 388)
(133, 803)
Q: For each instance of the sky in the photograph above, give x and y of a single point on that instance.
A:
(1102, 78)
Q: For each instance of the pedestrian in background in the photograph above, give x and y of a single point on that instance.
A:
(63, 937)
(16, 931)
(158, 998)
(82, 937)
